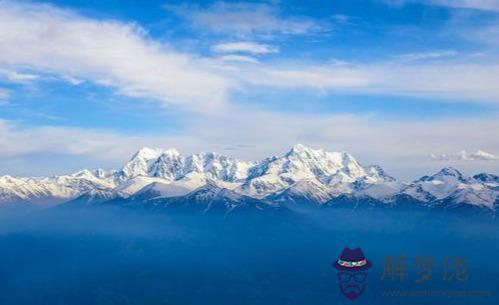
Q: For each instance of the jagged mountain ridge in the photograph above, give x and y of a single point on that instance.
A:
(301, 175)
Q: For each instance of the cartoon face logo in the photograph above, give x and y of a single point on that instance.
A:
(352, 284)
(352, 266)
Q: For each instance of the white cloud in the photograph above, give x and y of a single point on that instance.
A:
(244, 47)
(100, 144)
(426, 55)
(43, 39)
(486, 35)
(239, 18)
(4, 96)
(463, 155)
(238, 58)
(458, 81)
(476, 83)
(17, 77)
(121, 55)
(301, 75)
(342, 19)
(488, 5)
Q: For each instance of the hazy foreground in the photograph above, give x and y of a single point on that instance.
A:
(120, 256)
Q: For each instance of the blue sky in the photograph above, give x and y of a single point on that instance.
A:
(86, 83)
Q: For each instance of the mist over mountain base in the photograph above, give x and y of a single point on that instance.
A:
(111, 255)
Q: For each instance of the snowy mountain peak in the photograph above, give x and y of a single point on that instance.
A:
(170, 152)
(147, 153)
(301, 149)
(100, 173)
(7, 179)
(321, 163)
(449, 172)
(450, 185)
(379, 173)
(301, 174)
(91, 174)
(336, 171)
(487, 178)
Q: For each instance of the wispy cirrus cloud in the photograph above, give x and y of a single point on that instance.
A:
(484, 5)
(4, 96)
(116, 54)
(102, 144)
(426, 55)
(16, 76)
(487, 5)
(447, 80)
(244, 47)
(245, 19)
(463, 155)
(238, 58)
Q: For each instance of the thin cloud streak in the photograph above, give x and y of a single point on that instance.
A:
(4, 96)
(244, 47)
(484, 5)
(111, 53)
(426, 55)
(244, 19)
(474, 83)
(487, 5)
(238, 58)
(463, 155)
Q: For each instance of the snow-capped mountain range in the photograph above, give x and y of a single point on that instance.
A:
(302, 175)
